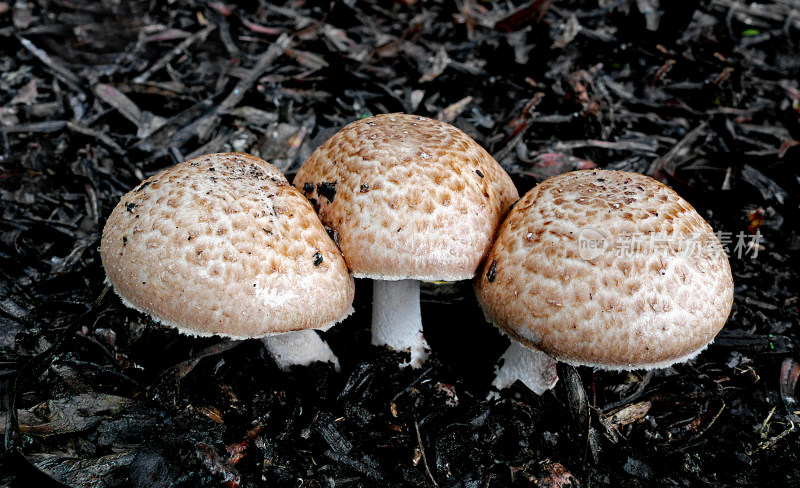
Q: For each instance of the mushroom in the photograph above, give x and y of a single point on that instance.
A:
(408, 198)
(223, 245)
(606, 269)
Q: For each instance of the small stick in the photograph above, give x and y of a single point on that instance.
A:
(422, 452)
(201, 35)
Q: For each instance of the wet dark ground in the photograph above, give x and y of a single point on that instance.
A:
(94, 96)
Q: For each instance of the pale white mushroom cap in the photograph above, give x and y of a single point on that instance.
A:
(409, 197)
(608, 269)
(223, 245)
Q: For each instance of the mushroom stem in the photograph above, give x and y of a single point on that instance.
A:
(299, 348)
(397, 320)
(532, 367)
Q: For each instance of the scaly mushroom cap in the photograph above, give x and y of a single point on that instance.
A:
(224, 245)
(409, 197)
(607, 269)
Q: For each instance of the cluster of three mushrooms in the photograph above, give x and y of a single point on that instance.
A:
(410, 198)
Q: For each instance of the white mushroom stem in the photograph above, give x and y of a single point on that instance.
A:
(397, 320)
(532, 367)
(299, 348)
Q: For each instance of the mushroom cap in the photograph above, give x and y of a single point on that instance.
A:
(223, 245)
(608, 269)
(409, 197)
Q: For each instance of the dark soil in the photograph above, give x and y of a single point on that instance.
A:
(95, 96)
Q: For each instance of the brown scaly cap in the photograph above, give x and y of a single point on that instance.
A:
(409, 197)
(224, 245)
(607, 269)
